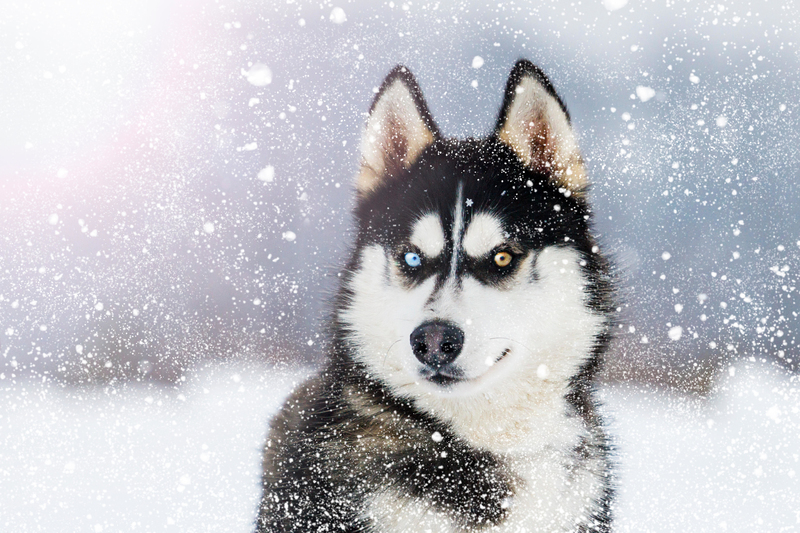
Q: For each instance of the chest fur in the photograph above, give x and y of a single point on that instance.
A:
(553, 492)
(541, 470)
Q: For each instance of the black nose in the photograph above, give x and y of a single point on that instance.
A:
(437, 343)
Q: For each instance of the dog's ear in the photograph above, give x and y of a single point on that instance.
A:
(534, 122)
(398, 129)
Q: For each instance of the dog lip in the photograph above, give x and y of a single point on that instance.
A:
(443, 380)
(450, 375)
(502, 355)
(446, 375)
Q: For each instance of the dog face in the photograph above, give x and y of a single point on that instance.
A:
(474, 268)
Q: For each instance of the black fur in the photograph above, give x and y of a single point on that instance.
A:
(343, 435)
(342, 452)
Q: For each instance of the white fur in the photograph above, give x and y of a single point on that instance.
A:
(428, 235)
(514, 407)
(458, 228)
(485, 233)
(544, 322)
(382, 315)
(549, 500)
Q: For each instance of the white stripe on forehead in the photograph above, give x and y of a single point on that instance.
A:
(428, 235)
(458, 227)
(484, 234)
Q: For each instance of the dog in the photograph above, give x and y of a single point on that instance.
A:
(471, 320)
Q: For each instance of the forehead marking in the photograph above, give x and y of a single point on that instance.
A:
(458, 229)
(484, 234)
(428, 235)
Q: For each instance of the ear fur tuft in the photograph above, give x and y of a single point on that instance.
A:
(398, 129)
(535, 123)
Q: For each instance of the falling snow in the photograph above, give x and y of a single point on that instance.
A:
(258, 75)
(175, 196)
(267, 174)
(645, 93)
(338, 15)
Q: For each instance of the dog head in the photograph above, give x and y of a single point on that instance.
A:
(474, 267)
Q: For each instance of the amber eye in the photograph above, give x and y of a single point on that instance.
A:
(502, 259)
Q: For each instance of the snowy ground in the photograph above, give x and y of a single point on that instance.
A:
(187, 459)
(729, 463)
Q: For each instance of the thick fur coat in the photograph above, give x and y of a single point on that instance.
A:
(471, 320)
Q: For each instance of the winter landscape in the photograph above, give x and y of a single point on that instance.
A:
(175, 189)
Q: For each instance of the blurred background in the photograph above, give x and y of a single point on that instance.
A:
(175, 187)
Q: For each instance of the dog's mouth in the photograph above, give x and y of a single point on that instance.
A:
(443, 376)
(443, 380)
(450, 374)
(502, 356)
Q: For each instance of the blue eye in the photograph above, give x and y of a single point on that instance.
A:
(413, 259)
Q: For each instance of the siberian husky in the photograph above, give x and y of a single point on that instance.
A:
(471, 321)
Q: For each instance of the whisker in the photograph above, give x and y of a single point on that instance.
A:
(389, 350)
(512, 340)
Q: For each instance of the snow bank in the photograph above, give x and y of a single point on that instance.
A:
(729, 463)
(143, 459)
(187, 459)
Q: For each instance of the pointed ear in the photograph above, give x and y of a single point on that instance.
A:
(534, 122)
(398, 129)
